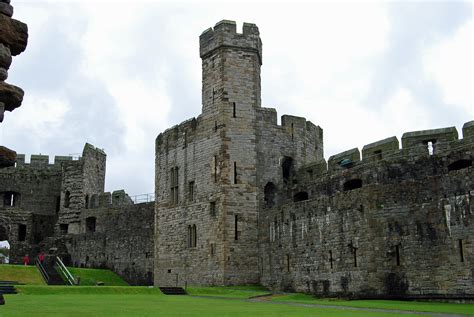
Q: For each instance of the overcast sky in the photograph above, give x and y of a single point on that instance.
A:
(117, 73)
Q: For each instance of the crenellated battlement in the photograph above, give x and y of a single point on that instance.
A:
(415, 144)
(182, 133)
(224, 34)
(39, 160)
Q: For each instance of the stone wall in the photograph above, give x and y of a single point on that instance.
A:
(396, 224)
(119, 238)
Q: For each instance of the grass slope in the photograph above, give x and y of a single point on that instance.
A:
(92, 276)
(86, 290)
(153, 305)
(384, 304)
(21, 273)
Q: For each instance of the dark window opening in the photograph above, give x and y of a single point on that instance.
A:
(87, 202)
(236, 227)
(330, 259)
(269, 194)
(63, 228)
(352, 184)
(354, 251)
(212, 249)
(235, 172)
(460, 164)
(310, 174)
(185, 145)
(191, 191)
(192, 236)
(233, 110)
(378, 154)
(301, 196)
(169, 271)
(21, 232)
(174, 184)
(397, 254)
(461, 250)
(287, 167)
(67, 199)
(287, 260)
(90, 224)
(292, 132)
(194, 231)
(212, 208)
(10, 199)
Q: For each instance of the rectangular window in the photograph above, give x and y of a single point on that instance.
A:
(330, 259)
(212, 249)
(214, 163)
(191, 191)
(233, 110)
(355, 256)
(236, 227)
(378, 154)
(397, 254)
(461, 250)
(212, 208)
(174, 181)
(235, 172)
(63, 227)
(21, 232)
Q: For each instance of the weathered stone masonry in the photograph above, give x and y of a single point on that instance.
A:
(63, 207)
(241, 199)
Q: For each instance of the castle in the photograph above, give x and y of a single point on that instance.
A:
(243, 200)
(240, 199)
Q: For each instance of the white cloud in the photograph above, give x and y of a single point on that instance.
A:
(450, 64)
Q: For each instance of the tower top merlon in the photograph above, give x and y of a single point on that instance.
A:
(225, 34)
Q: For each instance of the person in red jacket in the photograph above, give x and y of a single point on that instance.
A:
(26, 260)
(41, 257)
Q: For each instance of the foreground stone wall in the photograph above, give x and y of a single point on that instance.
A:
(119, 238)
(397, 224)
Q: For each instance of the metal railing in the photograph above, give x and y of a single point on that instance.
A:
(42, 270)
(143, 198)
(66, 275)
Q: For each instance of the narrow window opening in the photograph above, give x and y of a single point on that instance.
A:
(194, 236)
(213, 96)
(191, 191)
(301, 196)
(174, 184)
(461, 250)
(352, 184)
(330, 258)
(460, 164)
(212, 249)
(310, 174)
(90, 224)
(63, 228)
(287, 167)
(235, 172)
(431, 146)
(212, 208)
(233, 110)
(86, 203)
(397, 254)
(67, 198)
(190, 237)
(236, 227)
(215, 125)
(354, 251)
(378, 154)
(21, 232)
(287, 263)
(269, 193)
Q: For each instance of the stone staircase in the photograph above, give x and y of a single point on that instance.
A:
(7, 287)
(49, 272)
(173, 291)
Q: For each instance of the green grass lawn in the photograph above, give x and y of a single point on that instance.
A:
(228, 291)
(20, 273)
(384, 304)
(155, 305)
(92, 276)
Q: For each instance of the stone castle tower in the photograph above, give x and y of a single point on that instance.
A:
(211, 171)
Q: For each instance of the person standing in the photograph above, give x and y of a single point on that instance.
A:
(41, 257)
(26, 260)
